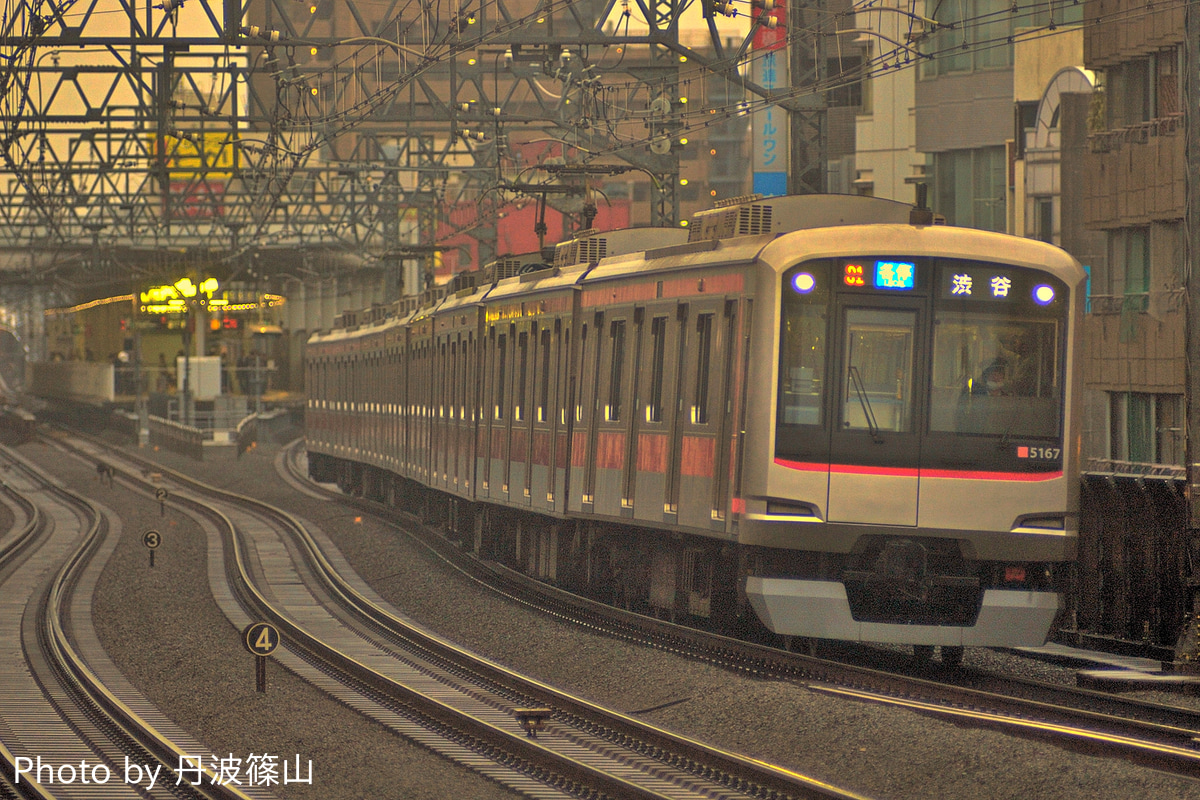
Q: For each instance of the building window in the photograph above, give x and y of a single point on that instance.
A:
(1044, 219)
(970, 187)
(1167, 83)
(976, 40)
(1146, 428)
(1144, 89)
(1129, 267)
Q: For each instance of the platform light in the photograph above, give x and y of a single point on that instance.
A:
(1043, 295)
(804, 282)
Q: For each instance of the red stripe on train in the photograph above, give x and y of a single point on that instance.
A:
(953, 474)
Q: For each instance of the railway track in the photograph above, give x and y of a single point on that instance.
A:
(340, 634)
(1152, 734)
(71, 725)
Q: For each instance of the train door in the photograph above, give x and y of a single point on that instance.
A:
(701, 406)
(395, 392)
(616, 341)
(458, 357)
(632, 418)
(522, 419)
(540, 477)
(731, 355)
(657, 412)
(468, 402)
(406, 388)
(490, 401)
(564, 415)
(437, 409)
(587, 410)
(875, 440)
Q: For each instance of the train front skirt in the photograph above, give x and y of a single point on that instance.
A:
(820, 609)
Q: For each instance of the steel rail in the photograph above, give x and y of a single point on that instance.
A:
(743, 775)
(125, 729)
(1154, 734)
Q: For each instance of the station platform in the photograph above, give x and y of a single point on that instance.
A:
(1114, 672)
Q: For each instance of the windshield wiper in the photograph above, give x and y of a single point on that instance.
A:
(865, 402)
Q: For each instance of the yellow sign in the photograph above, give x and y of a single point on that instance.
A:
(173, 298)
(206, 156)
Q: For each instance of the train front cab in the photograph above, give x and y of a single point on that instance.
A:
(914, 483)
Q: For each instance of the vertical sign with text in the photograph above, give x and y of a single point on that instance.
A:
(770, 70)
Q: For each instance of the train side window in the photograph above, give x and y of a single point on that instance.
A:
(583, 351)
(443, 400)
(501, 369)
(704, 327)
(658, 347)
(564, 357)
(468, 353)
(489, 375)
(522, 376)
(452, 377)
(612, 411)
(544, 395)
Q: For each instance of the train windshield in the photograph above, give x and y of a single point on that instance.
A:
(919, 347)
(995, 375)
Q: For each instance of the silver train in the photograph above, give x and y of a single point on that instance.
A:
(819, 412)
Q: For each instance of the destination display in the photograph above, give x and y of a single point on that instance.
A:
(957, 280)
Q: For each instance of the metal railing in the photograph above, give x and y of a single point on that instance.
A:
(177, 437)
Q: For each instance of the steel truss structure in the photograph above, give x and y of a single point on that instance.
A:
(138, 136)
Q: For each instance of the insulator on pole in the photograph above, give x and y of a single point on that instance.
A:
(255, 32)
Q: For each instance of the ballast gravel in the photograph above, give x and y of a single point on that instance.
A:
(164, 630)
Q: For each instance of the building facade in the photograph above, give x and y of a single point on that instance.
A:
(887, 162)
(1134, 196)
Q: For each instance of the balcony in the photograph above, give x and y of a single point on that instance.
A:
(1135, 175)
(1115, 30)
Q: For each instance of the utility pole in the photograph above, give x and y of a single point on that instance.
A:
(807, 115)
